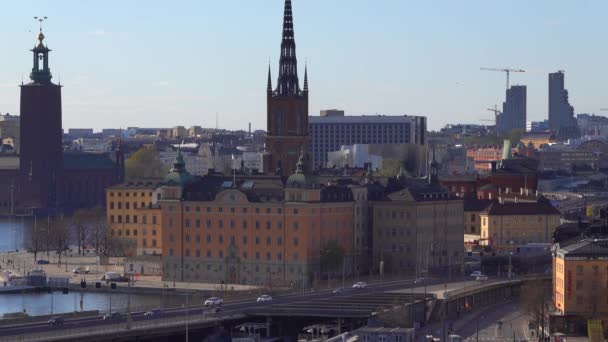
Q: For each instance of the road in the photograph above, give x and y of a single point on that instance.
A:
(504, 322)
(228, 309)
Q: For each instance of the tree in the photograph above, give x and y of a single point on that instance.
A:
(59, 236)
(80, 226)
(35, 239)
(332, 256)
(535, 296)
(144, 164)
(391, 167)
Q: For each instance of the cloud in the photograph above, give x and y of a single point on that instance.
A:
(160, 84)
(98, 32)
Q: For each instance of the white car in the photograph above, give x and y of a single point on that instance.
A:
(80, 270)
(360, 285)
(214, 301)
(482, 278)
(476, 274)
(264, 299)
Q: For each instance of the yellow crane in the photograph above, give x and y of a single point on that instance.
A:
(505, 70)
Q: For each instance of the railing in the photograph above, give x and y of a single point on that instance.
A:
(60, 333)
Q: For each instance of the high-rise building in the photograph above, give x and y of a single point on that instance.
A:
(561, 113)
(287, 107)
(329, 133)
(513, 114)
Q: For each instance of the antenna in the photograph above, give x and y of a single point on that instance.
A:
(216, 121)
(40, 20)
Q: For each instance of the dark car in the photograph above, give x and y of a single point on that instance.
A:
(56, 321)
(113, 315)
(339, 290)
(42, 262)
(153, 313)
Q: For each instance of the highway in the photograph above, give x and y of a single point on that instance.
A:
(504, 322)
(228, 309)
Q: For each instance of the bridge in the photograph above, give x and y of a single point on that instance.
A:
(431, 302)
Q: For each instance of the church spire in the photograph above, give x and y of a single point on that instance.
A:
(269, 85)
(306, 77)
(288, 70)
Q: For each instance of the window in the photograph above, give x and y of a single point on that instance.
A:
(221, 239)
(257, 255)
(187, 223)
(197, 223)
(220, 223)
(187, 252)
(134, 205)
(112, 218)
(295, 241)
(232, 224)
(119, 205)
(295, 225)
(171, 251)
(268, 257)
(579, 270)
(268, 225)
(153, 219)
(134, 232)
(208, 238)
(221, 254)
(279, 256)
(244, 255)
(295, 211)
(280, 241)
(111, 205)
(267, 210)
(244, 240)
(295, 256)
(245, 210)
(144, 219)
(198, 238)
(198, 253)
(126, 205)
(257, 240)
(153, 232)
(127, 218)
(232, 240)
(244, 224)
(208, 223)
(257, 225)
(268, 241)
(171, 237)
(197, 209)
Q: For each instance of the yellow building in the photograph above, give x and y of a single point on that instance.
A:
(580, 282)
(511, 224)
(537, 139)
(473, 208)
(132, 219)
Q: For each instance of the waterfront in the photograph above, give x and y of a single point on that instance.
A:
(45, 303)
(13, 233)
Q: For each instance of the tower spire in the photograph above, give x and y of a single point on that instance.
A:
(269, 85)
(306, 77)
(41, 72)
(288, 70)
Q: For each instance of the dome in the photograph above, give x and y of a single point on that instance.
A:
(178, 174)
(299, 179)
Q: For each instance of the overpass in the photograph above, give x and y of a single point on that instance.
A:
(432, 302)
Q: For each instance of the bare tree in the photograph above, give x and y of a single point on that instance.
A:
(80, 226)
(34, 240)
(98, 230)
(535, 296)
(59, 236)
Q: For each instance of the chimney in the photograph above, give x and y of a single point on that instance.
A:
(521, 191)
(489, 195)
(507, 190)
(515, 199)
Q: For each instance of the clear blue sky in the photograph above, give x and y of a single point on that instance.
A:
(166, 63)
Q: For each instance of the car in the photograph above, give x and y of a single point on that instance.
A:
(42, 262)
(339, 290)
(481, 278)
(56, 321)
(359, 285)
(214, 301)
(264, 298)
(152, 313)
(476, 274)
(80, 270)
(113, 315)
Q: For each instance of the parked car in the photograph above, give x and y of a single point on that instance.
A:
(81, 269)
(214, 301)
(113, 315)
(42, 262)
(56, 321)
(339, 290)
(264, 299)
(360, 285)
(476, 274)
(152, 313)
(482, 278)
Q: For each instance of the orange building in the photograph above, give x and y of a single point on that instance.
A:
(257, 231)
(580, 281)
(132, 220)
(537, 139)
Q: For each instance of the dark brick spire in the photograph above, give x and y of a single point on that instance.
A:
(288, 69)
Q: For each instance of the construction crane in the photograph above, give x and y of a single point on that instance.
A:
(494, 110)
(506, 70)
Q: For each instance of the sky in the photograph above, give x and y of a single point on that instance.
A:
(167, 63)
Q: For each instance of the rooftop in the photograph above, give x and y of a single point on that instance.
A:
(586, 248)
(527, 208)
(371, 119)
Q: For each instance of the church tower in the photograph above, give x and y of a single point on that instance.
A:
(287, 107)
(41, 158)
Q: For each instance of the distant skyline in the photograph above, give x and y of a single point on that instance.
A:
(174, 63)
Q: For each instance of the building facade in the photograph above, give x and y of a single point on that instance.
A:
(134, 223)
(514, 110)
(287, 107)
(580, 281)
(507, 224)
(330, 132)
(561, 113)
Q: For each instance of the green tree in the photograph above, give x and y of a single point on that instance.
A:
(144, 164)
(390, 167)
(332, 256)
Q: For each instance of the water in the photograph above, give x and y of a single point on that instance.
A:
(41, 303)
(12, 235)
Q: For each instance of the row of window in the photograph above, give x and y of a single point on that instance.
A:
(127, 194)
(144, 219)
(128, 205)
(294, 211)
(245, 255)
(209, 239)
(128, 232)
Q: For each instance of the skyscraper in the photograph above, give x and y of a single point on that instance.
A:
(513, 114)
(561, 113)
(287, 107)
